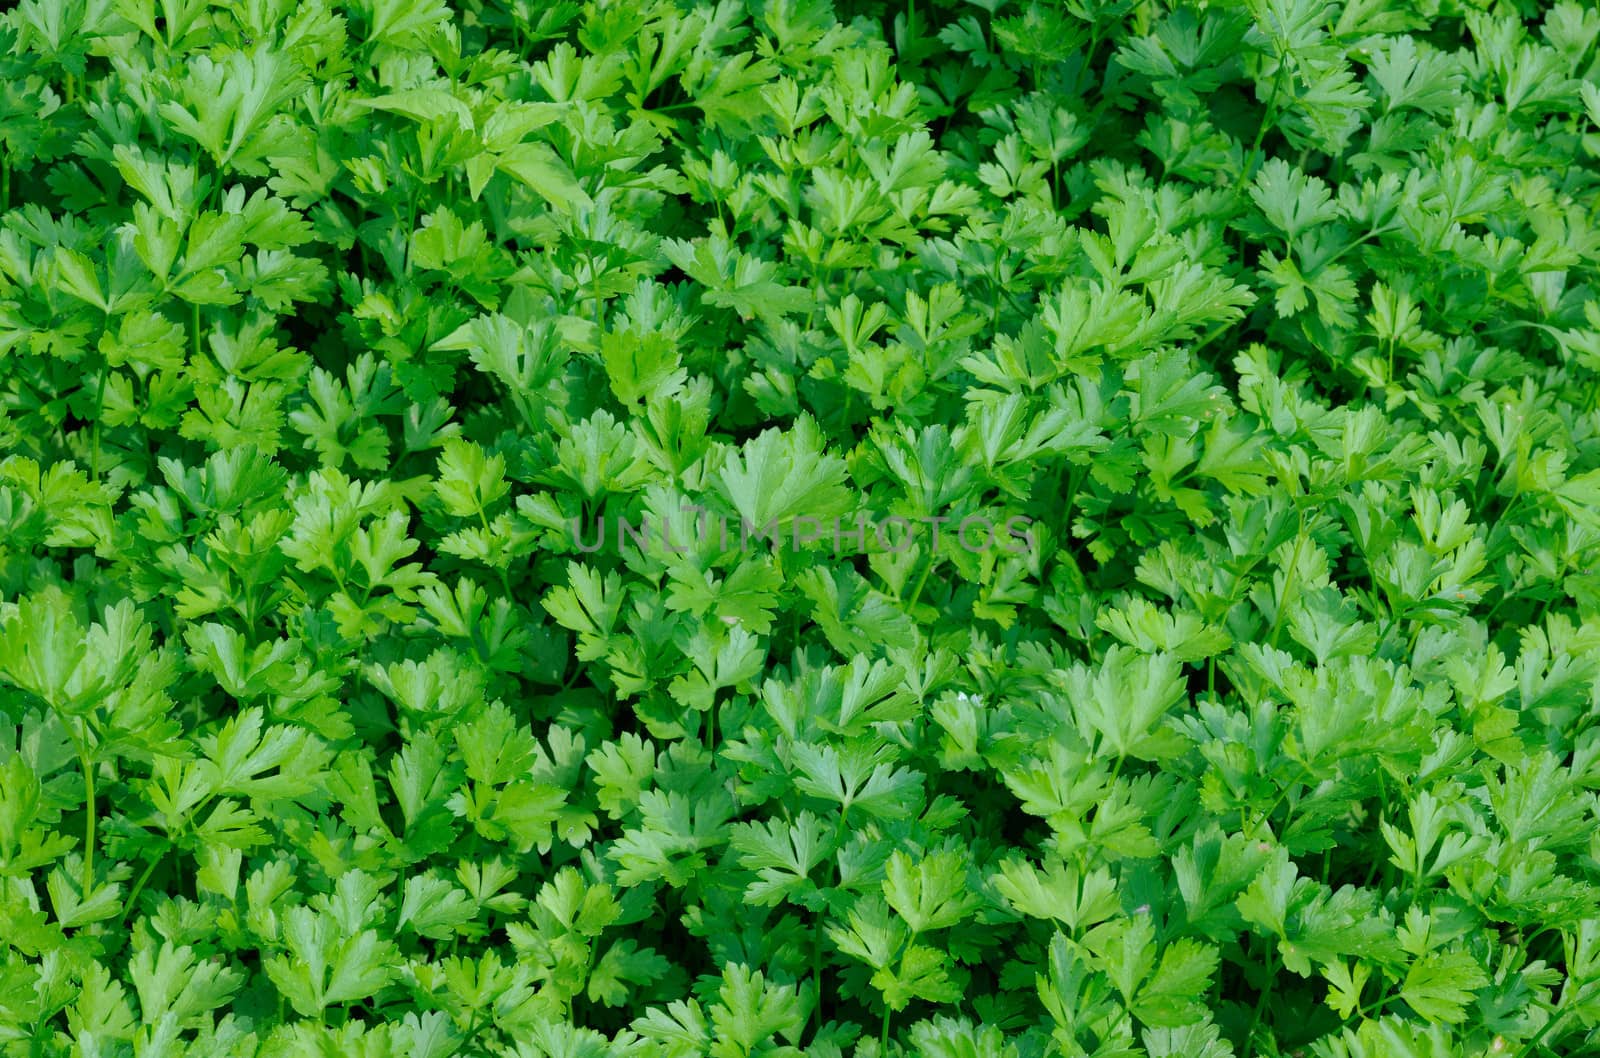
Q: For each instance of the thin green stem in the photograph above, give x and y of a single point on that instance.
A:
(94, 429)
(1558, 1015)
(916, 591)
(1290, 584)
(88, 821)
(138, 887)
(1261, 1005)
(1353, 243)
(1283, 795)
(816, 965)
(1268, 116)
(1075, 476)
(994, 281)
(1376, 1004)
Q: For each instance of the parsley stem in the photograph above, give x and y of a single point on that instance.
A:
(88, 822)
(1268, 117)
(1290, 576)
(94, 432)
(816, 964)
(1583, 994)
(916, 591)
(1376, 1004)
(994, 282)
(138, 887)
(1261, 1004)
(1301, 777)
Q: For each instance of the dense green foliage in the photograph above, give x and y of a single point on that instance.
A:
(331, 332)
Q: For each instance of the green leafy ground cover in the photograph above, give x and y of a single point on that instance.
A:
(1273, 323)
